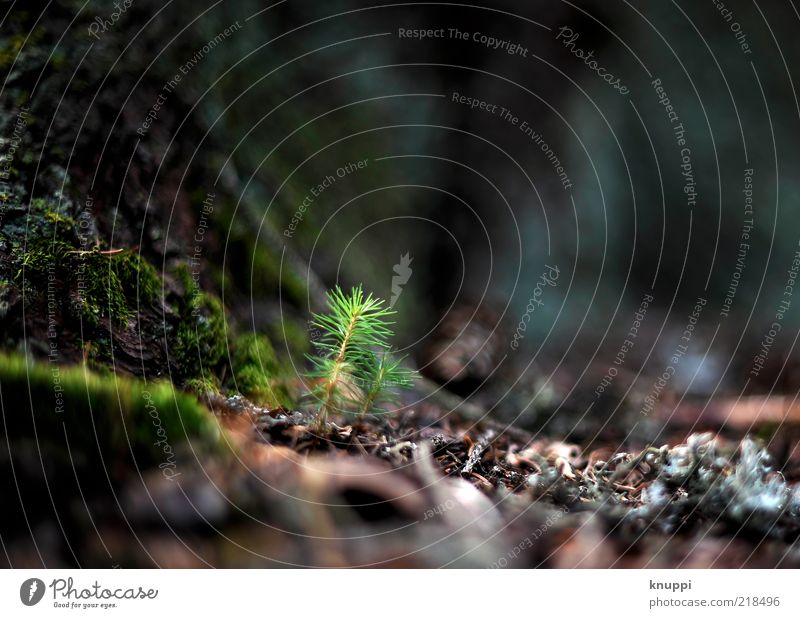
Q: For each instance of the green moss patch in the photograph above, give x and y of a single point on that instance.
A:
(199, 340)
(95, 284)
(101, 418)
(256, 372)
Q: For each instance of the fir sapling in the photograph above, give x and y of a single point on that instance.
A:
(354, 370)
(379, 376)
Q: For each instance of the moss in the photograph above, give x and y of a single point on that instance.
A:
(139, 279)
(100, 350)
(256, 372)
(38, 257)
(50, 258)
(101, 413)
(97, 284)
(200, 337)
(98, 289)
(57, 218)
(202, 387)
(48, 218)
(199, 340)
(113, 286)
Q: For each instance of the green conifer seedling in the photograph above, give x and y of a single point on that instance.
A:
(353, 369)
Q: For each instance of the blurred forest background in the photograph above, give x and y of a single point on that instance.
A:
(298, 93)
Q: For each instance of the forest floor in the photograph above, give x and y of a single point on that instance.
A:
(426, 487)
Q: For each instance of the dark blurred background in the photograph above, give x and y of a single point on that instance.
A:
(478, 203)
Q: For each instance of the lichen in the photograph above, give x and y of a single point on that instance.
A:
(705, 479)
